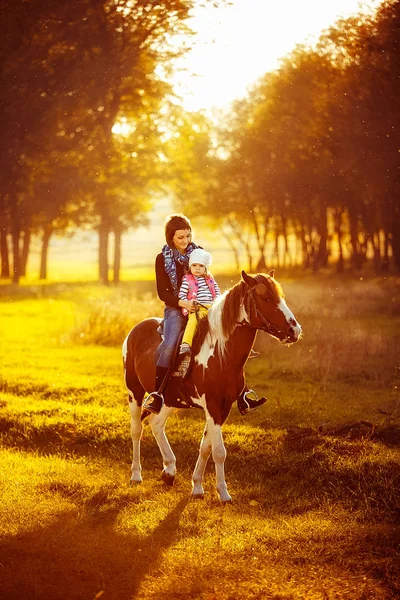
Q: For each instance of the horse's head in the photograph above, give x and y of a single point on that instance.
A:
(266, 309)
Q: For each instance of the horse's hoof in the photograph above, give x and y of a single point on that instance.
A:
(223, 502)
(197, 496)
(135, 481)
(167, 478)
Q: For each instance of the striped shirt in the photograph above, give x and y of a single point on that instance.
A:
(203, 294)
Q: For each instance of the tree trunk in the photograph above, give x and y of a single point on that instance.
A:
(47, 233)
(261, 237)
(117, 255)
(396, 241)
(249, 257)
(356, 258)
(15, 232)
(304, 247)
(276, 249)
(25, 251)
(5, 262)
(374, 241)
(233, 248)
(385, 261)
(261, 265)
(287, 259)
(322, 254)
(340, 262)
(103, 251)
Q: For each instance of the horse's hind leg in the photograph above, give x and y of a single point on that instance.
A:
(136, 394)
(198, 473)
(157, 424)
(136, 433)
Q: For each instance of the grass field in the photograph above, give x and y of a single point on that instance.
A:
(316, 510)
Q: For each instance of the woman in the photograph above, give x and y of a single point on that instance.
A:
(170, 268)
(171, 264)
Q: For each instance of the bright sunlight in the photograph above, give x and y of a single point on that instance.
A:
(237, 44)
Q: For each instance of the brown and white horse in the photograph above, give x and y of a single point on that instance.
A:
(220, 350)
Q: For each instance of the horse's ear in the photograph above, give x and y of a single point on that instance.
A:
(248, 279)
(271, 273)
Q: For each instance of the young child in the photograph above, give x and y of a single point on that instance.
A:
(197, 285)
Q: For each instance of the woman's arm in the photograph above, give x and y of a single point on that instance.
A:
(164, 287)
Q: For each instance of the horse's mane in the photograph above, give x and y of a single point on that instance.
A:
(228, 310)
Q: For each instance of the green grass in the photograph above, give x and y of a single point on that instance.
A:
(315, 512)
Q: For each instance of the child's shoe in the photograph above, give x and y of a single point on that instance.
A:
(184, 349)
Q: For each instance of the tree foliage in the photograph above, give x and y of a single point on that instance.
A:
(312, 152)
(72, 70)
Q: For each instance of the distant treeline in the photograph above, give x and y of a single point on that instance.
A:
(305, 168)
(313, 152)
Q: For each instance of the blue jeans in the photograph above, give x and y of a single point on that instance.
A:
(174, 323)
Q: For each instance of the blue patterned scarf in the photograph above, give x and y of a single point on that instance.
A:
(171, 256)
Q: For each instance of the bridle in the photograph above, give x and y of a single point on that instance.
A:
(252, 310)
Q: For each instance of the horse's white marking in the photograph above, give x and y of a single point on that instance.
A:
(216, 334)
(199, 470)
(136, 433)
(124, 355)
(199, 400)
(212, 442)
(125, 348)
(288, 316)
(215, 316)
(206, 351)
(157, 424)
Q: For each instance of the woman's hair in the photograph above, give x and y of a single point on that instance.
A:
(172, 224)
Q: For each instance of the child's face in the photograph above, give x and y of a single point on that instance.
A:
(197, 269)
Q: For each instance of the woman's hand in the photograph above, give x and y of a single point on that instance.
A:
(190, 305)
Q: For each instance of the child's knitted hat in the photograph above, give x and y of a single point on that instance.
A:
(201, 257)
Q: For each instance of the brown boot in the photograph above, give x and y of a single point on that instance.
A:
(154, 401)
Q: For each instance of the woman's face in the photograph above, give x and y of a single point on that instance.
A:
(182, 239)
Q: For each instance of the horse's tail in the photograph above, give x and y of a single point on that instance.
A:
(141, 342)
(128, 363)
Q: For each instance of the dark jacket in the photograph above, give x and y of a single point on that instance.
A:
(165, 290)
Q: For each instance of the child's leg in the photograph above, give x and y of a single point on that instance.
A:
(190, 329)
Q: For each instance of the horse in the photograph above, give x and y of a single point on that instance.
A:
(220, 350)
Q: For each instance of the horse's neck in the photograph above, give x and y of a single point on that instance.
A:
(240, 344)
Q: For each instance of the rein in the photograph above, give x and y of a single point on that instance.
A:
(251, 307)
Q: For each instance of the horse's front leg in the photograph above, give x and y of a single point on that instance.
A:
(219, 456)
(198, 473)
(157, 424)
(136, 433)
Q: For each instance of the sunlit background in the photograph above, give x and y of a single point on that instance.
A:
(238, 43)
(233, 47)
(305, 181)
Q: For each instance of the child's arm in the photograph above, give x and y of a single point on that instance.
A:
(217, 290)
(184, 289)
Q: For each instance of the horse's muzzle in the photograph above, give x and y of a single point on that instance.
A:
(294, 335)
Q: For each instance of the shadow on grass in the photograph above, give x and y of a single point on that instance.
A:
(314, 468)
(81, 556)
(354, 565)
